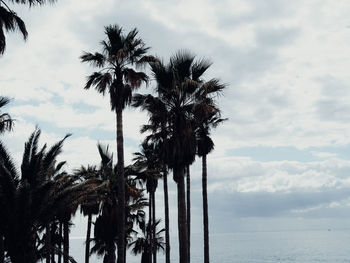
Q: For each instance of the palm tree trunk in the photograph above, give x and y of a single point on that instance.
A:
(2, 249)
(87, 242)
(205, 209)
(52, 255)
(188, 200)
(154, 228)
(150, 228)
(48, 243)
(121, 186)
(66, 242)
(166, 211)
(166, 198)
(60, 243)
(182, 219)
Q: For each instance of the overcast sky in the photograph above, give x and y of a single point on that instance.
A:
(283, 155)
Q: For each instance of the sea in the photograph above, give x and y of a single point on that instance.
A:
(302, 246)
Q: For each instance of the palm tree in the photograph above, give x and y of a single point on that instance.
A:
(30, 201)
(149, 166)
(91, 204)
(6, 123)
(157, 125)
(178, 88)
(106, 224)
(117, 77)
(181, 88)
(142, 244)
(10, 21)
(207, 117)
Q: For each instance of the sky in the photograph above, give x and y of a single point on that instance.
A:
(281, 161)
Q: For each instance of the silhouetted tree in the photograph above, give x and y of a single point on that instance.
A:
(117, 77)
(157, 126)
(207, 116)
(29, 200)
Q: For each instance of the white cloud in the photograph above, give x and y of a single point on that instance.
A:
(286, 65)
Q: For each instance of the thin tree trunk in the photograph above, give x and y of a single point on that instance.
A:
(66, 242)
(166, 198)
(60, 243)
(166, 211)
(182, 219)
(154, 245)
(47, 243)
(149, 230)
(121, 187)
(87, 242)
(205, 209)
(2, 249)
(188, 199)
(52, 256)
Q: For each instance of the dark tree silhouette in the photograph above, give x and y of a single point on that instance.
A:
(179, 88)
(207, 116)
(142, 244)
(30, 200)
(157, 126)
(117, 77)
(149, 166)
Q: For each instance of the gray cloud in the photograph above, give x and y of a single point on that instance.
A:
(278, 204)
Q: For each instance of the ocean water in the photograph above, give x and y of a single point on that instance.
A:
(249, 247)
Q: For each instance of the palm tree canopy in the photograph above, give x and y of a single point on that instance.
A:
(120, 52)
(148, 165)
(35, 197)
(141, 244)
(179, 85)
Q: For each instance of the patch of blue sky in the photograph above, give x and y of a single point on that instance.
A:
(340, 152)
(82, 107)
(266, 154)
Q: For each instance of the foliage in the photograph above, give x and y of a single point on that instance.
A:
(10, 21)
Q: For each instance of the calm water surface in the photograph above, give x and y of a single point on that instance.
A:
(250, 247)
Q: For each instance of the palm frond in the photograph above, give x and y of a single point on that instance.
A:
(199, 68)
(32, 2)
(96, 59)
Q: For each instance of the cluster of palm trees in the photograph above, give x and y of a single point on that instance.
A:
(182, 111)
(39, 200)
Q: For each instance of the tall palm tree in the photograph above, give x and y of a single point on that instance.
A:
(10, 21)
(6, 123)
(208, 116)
(157, 126)
(178, 88)
(120, 52)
